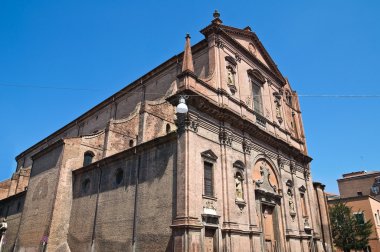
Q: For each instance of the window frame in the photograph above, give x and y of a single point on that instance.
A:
(208, 165)
(258, 80)
(209, 157)
(88, 154)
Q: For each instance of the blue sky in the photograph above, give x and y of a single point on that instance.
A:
(60, 58)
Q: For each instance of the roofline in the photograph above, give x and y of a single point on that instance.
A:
(217, 28)
(133, 85)
(353, 198)
(17, 195)
(360, 176)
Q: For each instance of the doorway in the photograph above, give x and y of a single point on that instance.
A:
(269, 228)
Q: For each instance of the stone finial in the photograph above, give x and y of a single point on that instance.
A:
(248, 28)
(187, 64)
(216, 16)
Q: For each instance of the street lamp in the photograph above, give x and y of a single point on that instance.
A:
(181, 107)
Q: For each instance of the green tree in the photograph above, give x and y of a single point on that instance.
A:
(349, 231)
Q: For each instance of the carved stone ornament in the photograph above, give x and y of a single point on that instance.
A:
(264, 183)
(237, 57)
(306, 224)
(292, 167)
(225, 137)
(209, 208)
(280, 162)
(192, 123)
(292, 210)
(186, 122)
(219, 43)
(246, 147)
(231, 77)
(306, 174)
(248, 100)
(252, 49)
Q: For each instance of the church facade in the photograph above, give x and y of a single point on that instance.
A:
(231, 174)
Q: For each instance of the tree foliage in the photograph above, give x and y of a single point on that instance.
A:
(348, 231)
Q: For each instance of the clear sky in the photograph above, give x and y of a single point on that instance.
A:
(60, 58)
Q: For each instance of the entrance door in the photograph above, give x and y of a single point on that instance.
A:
(210, 240)
(267, 213)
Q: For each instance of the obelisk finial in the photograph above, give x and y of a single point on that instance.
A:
(187, 64)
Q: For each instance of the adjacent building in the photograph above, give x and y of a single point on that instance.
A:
(360, 191)
(230, 174)
(360, 183)
(365, 208)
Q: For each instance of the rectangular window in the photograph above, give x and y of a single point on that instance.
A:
(257, 98)
(208, 179)
(359, 217)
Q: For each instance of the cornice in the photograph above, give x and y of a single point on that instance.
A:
(201, 103)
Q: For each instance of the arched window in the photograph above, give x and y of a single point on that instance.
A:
(168, 129)
(86, 185)
(87, 159)
(119, 175)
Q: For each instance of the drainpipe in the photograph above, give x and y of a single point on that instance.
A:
(135, 213)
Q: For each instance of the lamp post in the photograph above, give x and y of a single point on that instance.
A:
(181, 111)
(182, 107)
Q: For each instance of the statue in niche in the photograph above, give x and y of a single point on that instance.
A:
(278, 112)
(291, 202)
(239, 186)
(231, 80)
(230, 76)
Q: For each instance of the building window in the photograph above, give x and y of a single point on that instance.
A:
(208, 179)
(131, 143)
(88, 156)
(257, 98)
(119, 175)
(376, 219)
(86, 185)
(359, 217)
(168, 128)
(360, 193)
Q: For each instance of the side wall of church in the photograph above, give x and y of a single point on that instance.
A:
(40, 198)
(128, 202)
(152, 88)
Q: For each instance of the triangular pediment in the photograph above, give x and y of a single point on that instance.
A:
(209, 154)
(302, 189)
(251, 45)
